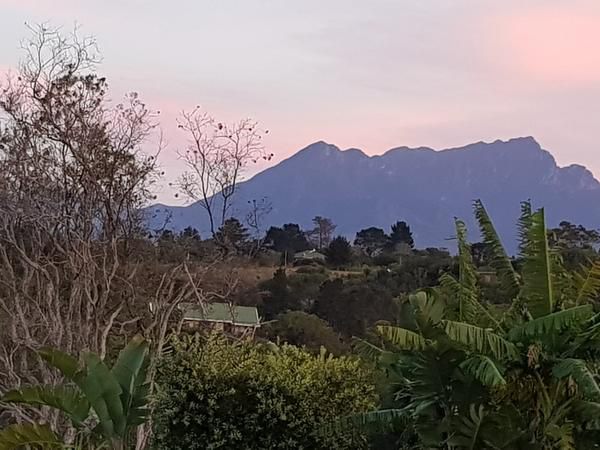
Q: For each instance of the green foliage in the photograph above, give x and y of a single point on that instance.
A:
(480, 340)
(538, 290)
(66, 399)
(484, 370)
(339, 252)
(16, 437)
(289, 239)
(417, 270)
(401, 234)
(371, 240)
(304, 330)
(294, 292)
(402, 339)
(467, 283)
(216, 394)
(233, 236)
(118, 397)
(353, 306)
(552, 324)
(587, 283)
(509, 281)
(578, 370)
(464, 377)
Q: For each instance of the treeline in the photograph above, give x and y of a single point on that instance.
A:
(370, 246)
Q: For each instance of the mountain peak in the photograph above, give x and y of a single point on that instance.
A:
(422, 186)
(320, 147)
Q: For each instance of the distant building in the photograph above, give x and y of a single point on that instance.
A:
(487, 275)
(309, 257)
(239, 321)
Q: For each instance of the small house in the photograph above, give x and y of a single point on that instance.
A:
(487, 275)
(239, 321)
(309, 257)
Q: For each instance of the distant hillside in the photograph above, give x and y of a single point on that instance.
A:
(424, 187)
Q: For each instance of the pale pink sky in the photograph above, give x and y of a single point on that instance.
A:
(372, 75)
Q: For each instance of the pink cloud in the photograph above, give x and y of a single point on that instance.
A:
(549, 44)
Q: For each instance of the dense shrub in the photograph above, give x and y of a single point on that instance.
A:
(353, 306)
(214, 394)
(289, 291)
(305, 330)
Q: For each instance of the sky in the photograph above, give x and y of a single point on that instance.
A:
(371, 74)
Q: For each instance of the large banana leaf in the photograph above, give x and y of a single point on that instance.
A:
(484, 370)
(524, 224)
(509, 281)
(65, 363)
(130, 371)
(467, 292)
(468, 430)
(429, 305)
(64, 398)
(402, 338)
(480, 340)
(104, 394)
(367, 350)
(538, 292)
(552, 323)
(578, 370)
(23, 436)
(587, 283)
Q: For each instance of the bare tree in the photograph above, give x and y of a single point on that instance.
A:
(255, 219)
(216, 157)
(74, 178)
(322, 234)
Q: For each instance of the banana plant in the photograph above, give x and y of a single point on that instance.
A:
(103, 404)
(458, 367)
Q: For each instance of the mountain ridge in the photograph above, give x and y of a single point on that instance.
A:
(424, 186)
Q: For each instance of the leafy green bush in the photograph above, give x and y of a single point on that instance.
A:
(214, 394)
(304, 330)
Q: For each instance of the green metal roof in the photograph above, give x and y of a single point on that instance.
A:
(223, 312)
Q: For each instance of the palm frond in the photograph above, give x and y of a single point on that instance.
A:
(507, 276)
(578, 370)
(538, 292)
(480, 340)
(552, 323)
(401, 338)
(484, 370)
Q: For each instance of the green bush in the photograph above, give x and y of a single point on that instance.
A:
(304, 330)
(213, 394)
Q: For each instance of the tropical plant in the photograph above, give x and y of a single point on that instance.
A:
(460, 372)
(103, 405)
